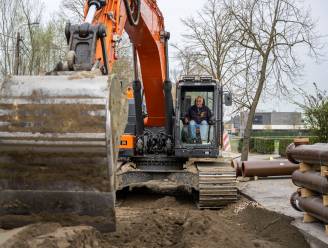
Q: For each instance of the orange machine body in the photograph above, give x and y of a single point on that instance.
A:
(150, 45)
(127, 142)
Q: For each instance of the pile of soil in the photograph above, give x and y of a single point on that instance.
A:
(50, 235)
(171, 222)
(154, 221)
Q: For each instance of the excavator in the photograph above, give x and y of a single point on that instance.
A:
(65, 149)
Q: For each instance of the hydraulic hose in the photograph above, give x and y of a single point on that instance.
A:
(133, 20)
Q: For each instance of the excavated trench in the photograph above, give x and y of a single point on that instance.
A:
(145, 219)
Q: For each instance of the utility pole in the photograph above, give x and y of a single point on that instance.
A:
(17, 54)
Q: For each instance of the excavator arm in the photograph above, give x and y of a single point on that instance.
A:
(144, 23)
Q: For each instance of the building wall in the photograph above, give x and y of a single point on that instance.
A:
(270, 121)
(262, 119)
(284, 118)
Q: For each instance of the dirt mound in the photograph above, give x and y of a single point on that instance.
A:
(167, 222)
(155, 221)
(150, 228)
(51, 235)
(240, 226)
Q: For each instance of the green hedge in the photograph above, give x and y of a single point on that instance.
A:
(240, 144)
(251, 144)
(264, 146)
(258, 145)
(283, 143)
(314, 140)
(280, 133)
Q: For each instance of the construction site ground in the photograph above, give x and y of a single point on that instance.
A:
(274, 195)
(146, 220)
(261, 218)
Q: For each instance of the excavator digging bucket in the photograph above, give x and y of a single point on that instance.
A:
(57, 158)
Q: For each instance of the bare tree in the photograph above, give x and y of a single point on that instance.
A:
(73, 10)
(52, 46)
(210, 43)
(269, 33)
(31, 12)
(188, 62)
(8, 23)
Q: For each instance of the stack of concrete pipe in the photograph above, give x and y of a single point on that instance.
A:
(264, 168)
(312, 180)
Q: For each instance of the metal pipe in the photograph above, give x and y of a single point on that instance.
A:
(135, 62)
(91, 14)
(237, 165)
(312, 205)
(137, 86)
(102, 34)
(311, 180)
(268, 168)
(169, 109)
(310, 154)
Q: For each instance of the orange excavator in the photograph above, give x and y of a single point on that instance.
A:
(63, 152)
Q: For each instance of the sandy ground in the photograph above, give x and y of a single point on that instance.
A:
(155, 221)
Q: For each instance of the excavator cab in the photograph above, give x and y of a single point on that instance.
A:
(205, 138)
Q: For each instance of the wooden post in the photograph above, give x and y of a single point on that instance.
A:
(325, 200)
(305, 167)
(308, 218)
(306, 192)
(324, 170)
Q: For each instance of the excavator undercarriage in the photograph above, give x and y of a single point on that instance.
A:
(212, 182)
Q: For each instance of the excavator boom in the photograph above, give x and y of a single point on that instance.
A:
(148, 37)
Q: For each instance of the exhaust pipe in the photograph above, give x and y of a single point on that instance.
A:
(311, 180)
(268, 168)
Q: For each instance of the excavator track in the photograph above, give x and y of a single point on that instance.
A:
(217, 184)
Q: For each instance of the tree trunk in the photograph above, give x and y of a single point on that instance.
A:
(247, 136)
(251, 115)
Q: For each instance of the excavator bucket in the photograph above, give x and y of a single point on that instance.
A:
(57, 158)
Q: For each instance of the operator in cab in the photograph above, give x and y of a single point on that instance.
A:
(198, 117)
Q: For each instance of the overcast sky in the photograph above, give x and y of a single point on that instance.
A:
(174, 11)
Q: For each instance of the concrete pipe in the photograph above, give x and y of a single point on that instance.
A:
(311, 205)
(311, 180)
(310, 154)
(268, 168)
